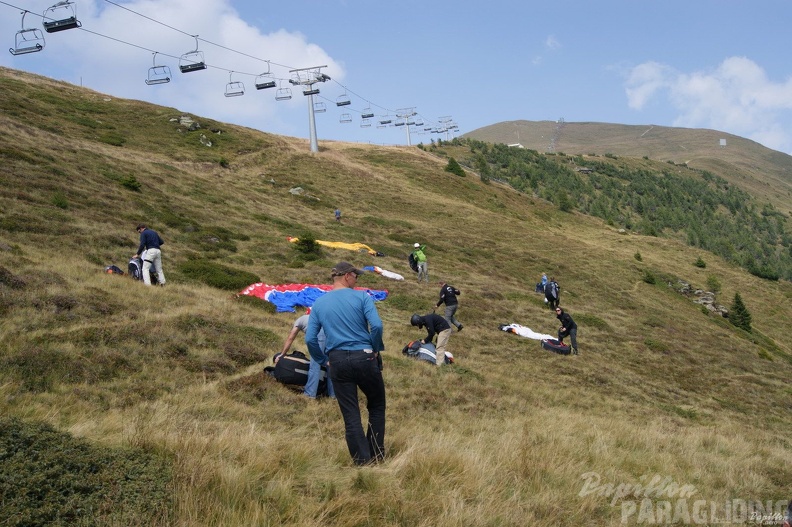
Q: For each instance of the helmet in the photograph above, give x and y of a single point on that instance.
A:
(307, 310)
(415, 320)
(417, 245)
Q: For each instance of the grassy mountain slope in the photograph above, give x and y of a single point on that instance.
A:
(765, 173)
(503, 437)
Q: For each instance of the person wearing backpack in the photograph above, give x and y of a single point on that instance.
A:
(150, 242)
(435, 325)
(448, 296)
(568, 328)
(314, 368)
(551, 293)
(423, 264)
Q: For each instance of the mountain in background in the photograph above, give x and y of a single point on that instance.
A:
(765, 173)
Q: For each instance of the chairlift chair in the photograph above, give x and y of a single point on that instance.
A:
(367, 113)
(192, 60)
(385, 122)
(158, 74)
(320, 107)
(27, 40)
(343, 100)
(345, 118)
(283, 94)
(311, 91)
(419, 122)
(265, 80)
(234, 88)
(60, 17)
(398, 123)
(365, 123)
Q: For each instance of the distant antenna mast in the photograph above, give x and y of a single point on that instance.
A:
(556, 134)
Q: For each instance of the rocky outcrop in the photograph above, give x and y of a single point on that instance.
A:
(704, 298)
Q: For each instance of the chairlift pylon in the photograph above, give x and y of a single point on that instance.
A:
(345, 118)
(60, 17)
(234, 88)
(192, 60)
(158, 74)
(265, 80)
(27, 40)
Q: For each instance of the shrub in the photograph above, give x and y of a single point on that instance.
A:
(454, 167)
(739, 315)
(700, 263)
(649, 277)
(130, 182)
(713, 284)
(50, 478)
(218, 275)
(638, 256)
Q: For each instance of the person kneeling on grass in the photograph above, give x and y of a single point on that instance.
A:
(568, 328)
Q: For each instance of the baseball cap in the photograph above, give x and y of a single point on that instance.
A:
(417, 244)
(343, 268)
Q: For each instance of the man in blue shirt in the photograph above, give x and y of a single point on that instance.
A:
(150, 242)
(353, 342)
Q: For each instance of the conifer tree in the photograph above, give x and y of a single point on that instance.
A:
(454, 167)
(739, 315)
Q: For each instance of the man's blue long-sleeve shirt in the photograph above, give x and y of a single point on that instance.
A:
(350, 322)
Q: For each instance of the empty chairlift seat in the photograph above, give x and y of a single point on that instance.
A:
(192, 60)
(60, 17)
(343, 100)
(234, 88)
(157, 73)
(27, 40)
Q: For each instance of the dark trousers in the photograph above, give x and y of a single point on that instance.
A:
(571, 333)
(349, 371)
(552, 302)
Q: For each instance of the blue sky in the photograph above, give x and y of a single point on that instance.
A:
(722, 65)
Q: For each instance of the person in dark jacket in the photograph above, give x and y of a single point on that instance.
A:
(448, 296)
(435, 325)
(551, 293)
(568, 328)
(150, 242)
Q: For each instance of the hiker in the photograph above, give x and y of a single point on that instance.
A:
(568, 328)
(338, 214)
(353, 332)
(150, 242)
(448, 295)
(420, 259)
(435, 325)
(314, 368)
(551, 293)
(540, 285)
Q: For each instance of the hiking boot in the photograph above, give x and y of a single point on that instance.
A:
(459, 327)
(574, 351)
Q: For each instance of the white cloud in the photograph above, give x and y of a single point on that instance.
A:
(552, 43)
(736, 97)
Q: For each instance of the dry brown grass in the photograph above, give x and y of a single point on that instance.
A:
(503, 437)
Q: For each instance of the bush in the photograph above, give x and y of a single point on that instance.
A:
(649, 277)
(700, 263)
(454, 167)
(130, 182)
(50, 478)
(218, 275)
(638, 256)
(713, 284)
(739, 315)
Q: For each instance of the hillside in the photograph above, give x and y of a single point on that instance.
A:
(164, 388)
(765, 173)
